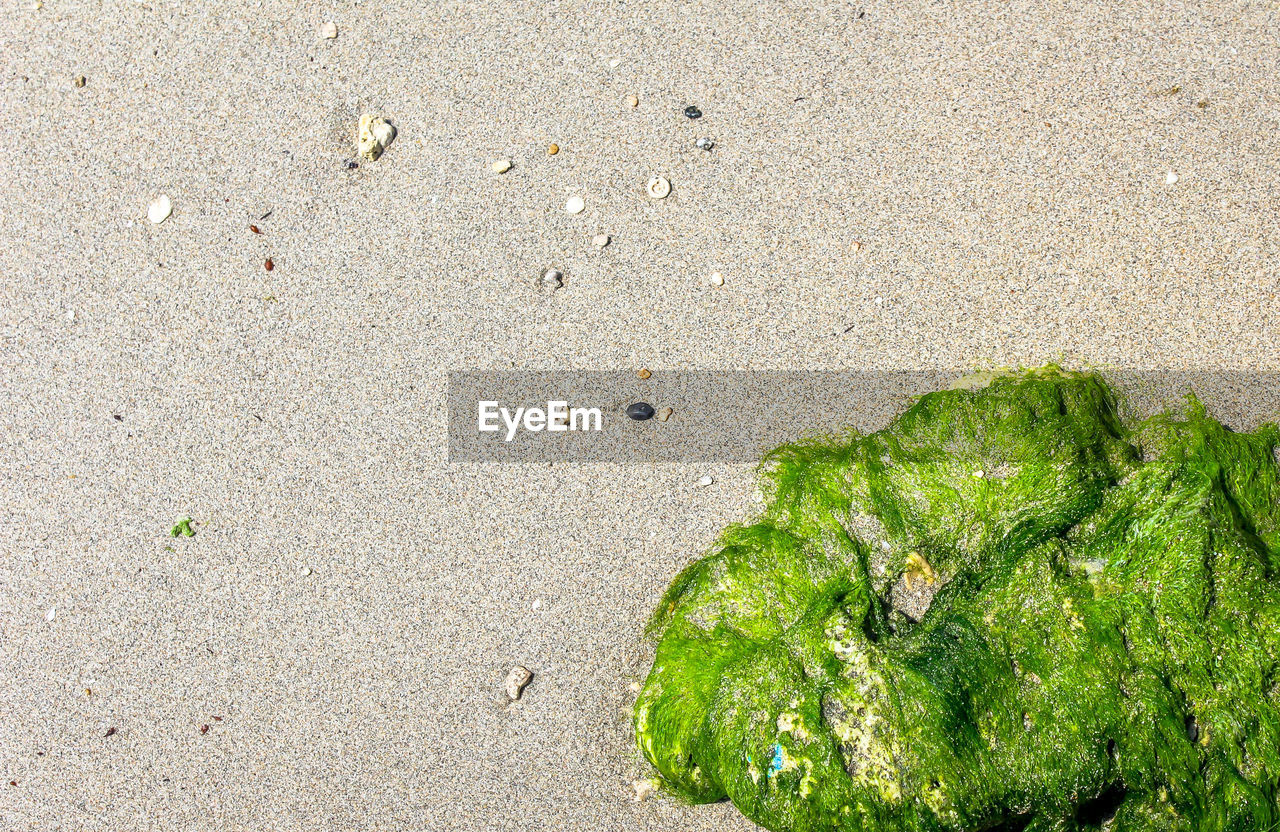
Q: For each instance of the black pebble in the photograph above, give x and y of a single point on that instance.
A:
(352, 164)
(692, 112)
(640, 411)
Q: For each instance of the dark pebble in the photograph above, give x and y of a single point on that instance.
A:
(640, 411)
(352, 164)
(692, 112)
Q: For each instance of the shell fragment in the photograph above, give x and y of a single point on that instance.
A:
(575, 205)
(374, 135)
(658, 187)
(160, 209)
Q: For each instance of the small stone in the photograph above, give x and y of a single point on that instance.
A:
(644, 373)
(501, 166)
(692, 112)
(374, 135)
(977, 475)
(615, 63)
(269, 264)
(553, 149)
(160, 209)
(329, 31)
(640, 411)
(306, 571)
(537, 602)
(350, 164)
(634, 687)
(575, 205)
(551, 279)
(705, 480)
(1170, 178)
(79, 81)
(516, 681)
(704, 143)
(633, 101)
(51, 614)
(717, 279)
(600, 240)
(664, 414)
(658, 187)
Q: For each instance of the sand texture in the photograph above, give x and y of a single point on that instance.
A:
(907, 186)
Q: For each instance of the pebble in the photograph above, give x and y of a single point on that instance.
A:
(717, 279)
(1170, 178)
(306, 571)
(692, 112)
(600, 240)
(705, 480)
(615, 63)
(664, 414)
(160, 209)
(329, 31)
(704, 143)
(644, 372)
(640, 411)
(374, 135)
(537, 602)
(501, 166)
(633, 101)
(551, 279)
(658, 187)
(575, 205)
(977, 475)
(79, 81)
(516, 680)
(553, 149)
(49, 616)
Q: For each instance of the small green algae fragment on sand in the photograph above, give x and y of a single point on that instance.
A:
(183, 529)
(1083, 636)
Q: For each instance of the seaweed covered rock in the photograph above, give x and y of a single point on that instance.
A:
(1007, 610)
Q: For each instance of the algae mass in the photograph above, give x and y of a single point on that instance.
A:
(1008, 610)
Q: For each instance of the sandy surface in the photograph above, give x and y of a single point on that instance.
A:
(955, 185)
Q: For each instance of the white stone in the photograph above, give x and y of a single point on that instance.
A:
(501, 166)
(329, 31)
(516, 681)
(49, 616)
(600, 240)
(1170, 178)
(717, 279)
(658, 187)
(160, 209)
(705, 480)
(575, 205)
(373, 137)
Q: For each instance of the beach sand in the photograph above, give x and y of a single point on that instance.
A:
(893, 187)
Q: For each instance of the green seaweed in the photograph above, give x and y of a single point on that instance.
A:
(183, 529)
(1008, 610)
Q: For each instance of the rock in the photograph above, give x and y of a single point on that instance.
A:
(640, 411)
(664, 414)
(329, 31)
(501, 166)
(159, 209)
(374, 135)
(575, 205)
(600, 240)
(692, 112)
(633, 101)
(1171, 178)
(717, 279)
(79, 81)
(553, 149)
(516, 681)
(644, 373)
(705, 480)
(704, 143)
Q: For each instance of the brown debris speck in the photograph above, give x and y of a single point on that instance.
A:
(255, 229)
(204, 729)
(268, 265)
(110, 731)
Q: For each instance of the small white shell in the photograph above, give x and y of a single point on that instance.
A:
(160, 209)
(501, 166)
(600, 240)
(374, 135)
(575, 205)
(658, 187)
